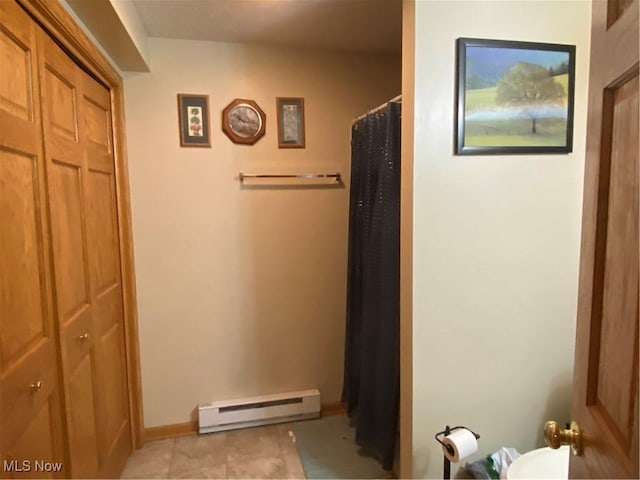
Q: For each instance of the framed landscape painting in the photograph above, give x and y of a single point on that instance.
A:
(514, 97)
(290, 122)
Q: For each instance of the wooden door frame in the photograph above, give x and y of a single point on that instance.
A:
(63, 28)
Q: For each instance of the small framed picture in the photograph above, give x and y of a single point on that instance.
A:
(193, 114)
(290, 122)
(514, 97)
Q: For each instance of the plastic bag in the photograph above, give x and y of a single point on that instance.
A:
(494, 466)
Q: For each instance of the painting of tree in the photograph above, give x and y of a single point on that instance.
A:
(514, 97)
(529, 86)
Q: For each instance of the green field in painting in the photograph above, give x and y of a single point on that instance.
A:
(551, 132)
(480, 99)
(485, 98)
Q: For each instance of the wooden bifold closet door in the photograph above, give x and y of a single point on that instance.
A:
(62, 307)
(30, 399)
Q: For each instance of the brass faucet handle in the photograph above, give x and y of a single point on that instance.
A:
(555, 436)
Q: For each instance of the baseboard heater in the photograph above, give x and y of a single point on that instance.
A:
(263, 410)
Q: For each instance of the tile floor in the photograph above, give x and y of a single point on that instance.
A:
(261, 453)
(328, 450)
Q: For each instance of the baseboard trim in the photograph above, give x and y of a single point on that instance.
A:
(163, 432)
(170, 431)
(334, 408)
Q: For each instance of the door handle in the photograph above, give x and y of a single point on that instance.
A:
(36, 386)
(555, 436)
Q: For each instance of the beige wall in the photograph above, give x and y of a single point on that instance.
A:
(65, 4)
(133, 25)
(242, 291)
(496, 246)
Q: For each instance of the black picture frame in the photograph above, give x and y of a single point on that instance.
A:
(507, 104)
(193, 120)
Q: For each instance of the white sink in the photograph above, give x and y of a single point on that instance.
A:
(541, 463)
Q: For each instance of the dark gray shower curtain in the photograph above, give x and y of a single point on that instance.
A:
(371, 388)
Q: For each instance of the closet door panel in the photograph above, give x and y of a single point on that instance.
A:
(81, 415)
(114, 412)
(23, 397)
(60, 99)
(21, 279)
(18, 136)
(105, 281)
(65, 193)
(16, 93)
(96, 116)
(18, 114)
(102, 231)
(30, 412)
(37, 442)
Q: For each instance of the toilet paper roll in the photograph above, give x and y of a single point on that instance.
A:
(459, 444)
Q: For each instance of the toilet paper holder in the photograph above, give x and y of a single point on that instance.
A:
(447, 431)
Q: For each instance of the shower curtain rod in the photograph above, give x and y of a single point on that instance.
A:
(379, 107)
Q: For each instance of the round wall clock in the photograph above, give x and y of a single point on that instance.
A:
(243, 121)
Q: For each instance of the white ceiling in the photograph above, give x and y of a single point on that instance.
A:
(347, 25)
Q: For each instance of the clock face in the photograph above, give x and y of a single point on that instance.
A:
(244, 120)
